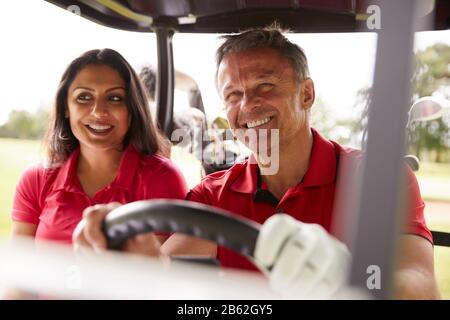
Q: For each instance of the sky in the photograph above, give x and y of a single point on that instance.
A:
(38, 45)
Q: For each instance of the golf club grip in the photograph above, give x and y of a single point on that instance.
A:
(226, 229)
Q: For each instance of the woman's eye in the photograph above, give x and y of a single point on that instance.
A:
(84, 97)
(115, 98)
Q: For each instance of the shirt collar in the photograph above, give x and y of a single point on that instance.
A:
(321, 171)
(322, 163)
(246, 180)
(128, 168)
(68, 180)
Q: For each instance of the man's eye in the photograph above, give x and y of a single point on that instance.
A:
(264, 87)
(232, 96)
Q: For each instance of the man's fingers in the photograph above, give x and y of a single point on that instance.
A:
(272, 236)
(314, 270)
(295, 260)
(304, 259)
(338, 270)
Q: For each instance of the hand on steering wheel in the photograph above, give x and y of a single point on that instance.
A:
(303, 259)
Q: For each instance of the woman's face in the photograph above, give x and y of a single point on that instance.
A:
(97, 107)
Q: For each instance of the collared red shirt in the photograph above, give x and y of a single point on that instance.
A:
(54, 200)
(310, 201)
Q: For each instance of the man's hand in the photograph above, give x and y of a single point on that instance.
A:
(303, 259)
(88, 233)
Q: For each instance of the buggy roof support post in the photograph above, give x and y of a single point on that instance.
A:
(379, 209)
(165, 79)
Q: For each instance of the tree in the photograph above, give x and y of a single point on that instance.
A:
(25, 125)
(323, 119)
(431, 75)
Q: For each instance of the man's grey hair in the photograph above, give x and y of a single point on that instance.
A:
(267, 37)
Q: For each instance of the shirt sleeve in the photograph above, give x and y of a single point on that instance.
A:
(168, 183)
(415, 220)
(197, 194)
(26, 204)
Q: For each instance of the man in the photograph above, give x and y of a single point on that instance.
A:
(264, 82)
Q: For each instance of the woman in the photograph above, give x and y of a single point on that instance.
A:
(102, 147)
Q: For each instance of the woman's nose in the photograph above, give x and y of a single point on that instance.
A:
(100, 108)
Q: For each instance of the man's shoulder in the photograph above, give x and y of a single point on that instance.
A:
(347, 151)
(217, 186)
(223, 178)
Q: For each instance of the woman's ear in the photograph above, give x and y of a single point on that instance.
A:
(66, 114)
(308, 94)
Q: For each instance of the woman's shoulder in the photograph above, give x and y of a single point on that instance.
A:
(159, 177)
(37, 174)
(39, 170)
(156, 163)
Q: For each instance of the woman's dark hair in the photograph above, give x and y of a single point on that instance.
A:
(142, 134)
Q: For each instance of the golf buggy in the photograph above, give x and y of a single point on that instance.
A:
(378, 194)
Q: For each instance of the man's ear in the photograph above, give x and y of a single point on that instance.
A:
(308, 94)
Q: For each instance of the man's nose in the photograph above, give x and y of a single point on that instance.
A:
(100, 108)
(249, 102)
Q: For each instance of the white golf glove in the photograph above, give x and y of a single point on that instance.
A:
(304, 260)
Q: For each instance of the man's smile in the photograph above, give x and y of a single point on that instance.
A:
(257, 123)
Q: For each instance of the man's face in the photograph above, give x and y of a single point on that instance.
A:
(260, 91)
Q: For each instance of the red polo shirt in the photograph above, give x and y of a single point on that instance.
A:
(310, 201)
(54, 200)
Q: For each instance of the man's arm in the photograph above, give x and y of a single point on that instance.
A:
(414, 275)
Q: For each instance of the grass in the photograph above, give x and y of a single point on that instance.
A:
(15, 155)
(442, 259)
(442, 263)
(434, 180)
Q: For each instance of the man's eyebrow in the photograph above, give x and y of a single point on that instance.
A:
(265, 74)
(228, 87)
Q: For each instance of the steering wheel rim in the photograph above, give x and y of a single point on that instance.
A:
(199, 220)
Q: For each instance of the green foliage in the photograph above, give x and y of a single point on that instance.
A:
(15, 155)
(431, 76)
(329, 126)
(320, 118)
(25, 125)
(432, 70)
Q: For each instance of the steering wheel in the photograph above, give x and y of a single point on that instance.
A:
(226, 229)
